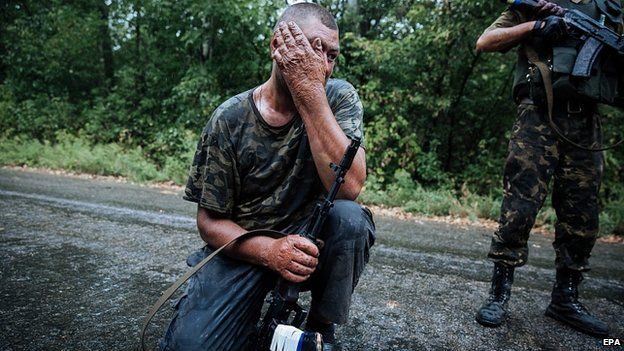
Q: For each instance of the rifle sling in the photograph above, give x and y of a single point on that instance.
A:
(547, 78)
(175, 286)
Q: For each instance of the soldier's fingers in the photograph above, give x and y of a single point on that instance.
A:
(290, 276)
(299, 269)
(297, 34)
(541, 9)
(547, 9)
(279, 39)
(540, 4)
(307, 247)
(277, 56)
(305, 260)
(288, 38)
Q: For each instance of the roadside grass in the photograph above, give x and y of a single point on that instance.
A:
(411, 197)
(79, 155)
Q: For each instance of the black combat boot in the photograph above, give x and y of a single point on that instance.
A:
(492, 313)
(565, 306)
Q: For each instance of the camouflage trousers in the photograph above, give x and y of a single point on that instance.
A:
(536, 155)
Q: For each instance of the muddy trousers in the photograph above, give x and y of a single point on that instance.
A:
(535, 156)
(222, 302)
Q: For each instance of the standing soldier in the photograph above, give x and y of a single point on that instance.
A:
(537, 152)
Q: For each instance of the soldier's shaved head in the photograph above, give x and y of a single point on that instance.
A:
(303, 12)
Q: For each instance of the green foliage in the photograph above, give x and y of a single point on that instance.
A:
(403, 192)
(612, 216)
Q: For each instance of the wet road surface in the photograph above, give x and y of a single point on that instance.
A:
(82, 260)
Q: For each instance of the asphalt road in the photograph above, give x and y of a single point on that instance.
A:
(82, 260)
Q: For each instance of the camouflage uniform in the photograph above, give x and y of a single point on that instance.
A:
(535, 156)
(261, 176)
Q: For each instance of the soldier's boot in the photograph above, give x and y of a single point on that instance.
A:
(493, 312)
(565, 306)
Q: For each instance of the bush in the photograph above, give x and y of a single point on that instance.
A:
(403, 192)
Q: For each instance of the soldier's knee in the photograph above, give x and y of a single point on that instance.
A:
(348, 220)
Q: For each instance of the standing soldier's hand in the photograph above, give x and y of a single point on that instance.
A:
(551, 29)
(302, 64)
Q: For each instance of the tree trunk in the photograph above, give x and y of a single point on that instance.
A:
(453, 108)
(139, 79)
(106, 46)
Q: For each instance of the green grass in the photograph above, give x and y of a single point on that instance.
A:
(403, 192)
(79, 155)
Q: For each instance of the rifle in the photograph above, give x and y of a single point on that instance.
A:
(594, 34)
(283, 309)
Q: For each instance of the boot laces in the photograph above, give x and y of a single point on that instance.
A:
(500, 285)
(579, 308)
(576, 304)
(571, 285)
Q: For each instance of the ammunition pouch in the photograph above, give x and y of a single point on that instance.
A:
(605, 84)
(601, 87)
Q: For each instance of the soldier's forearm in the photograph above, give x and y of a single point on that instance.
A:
(217, 231)
(328, 143)
(501, 39)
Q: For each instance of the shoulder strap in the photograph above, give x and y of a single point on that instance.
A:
(175, 286)
(547, 78)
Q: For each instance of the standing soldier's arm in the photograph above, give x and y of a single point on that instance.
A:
(502, 39)
(512, 27)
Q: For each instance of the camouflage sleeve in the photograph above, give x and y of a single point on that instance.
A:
(348, 109)
(212, 181)
(508, 18)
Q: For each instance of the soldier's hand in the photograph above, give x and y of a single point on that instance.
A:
(293, 257)
(302, 64)
(545, 8)
(551, 29)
